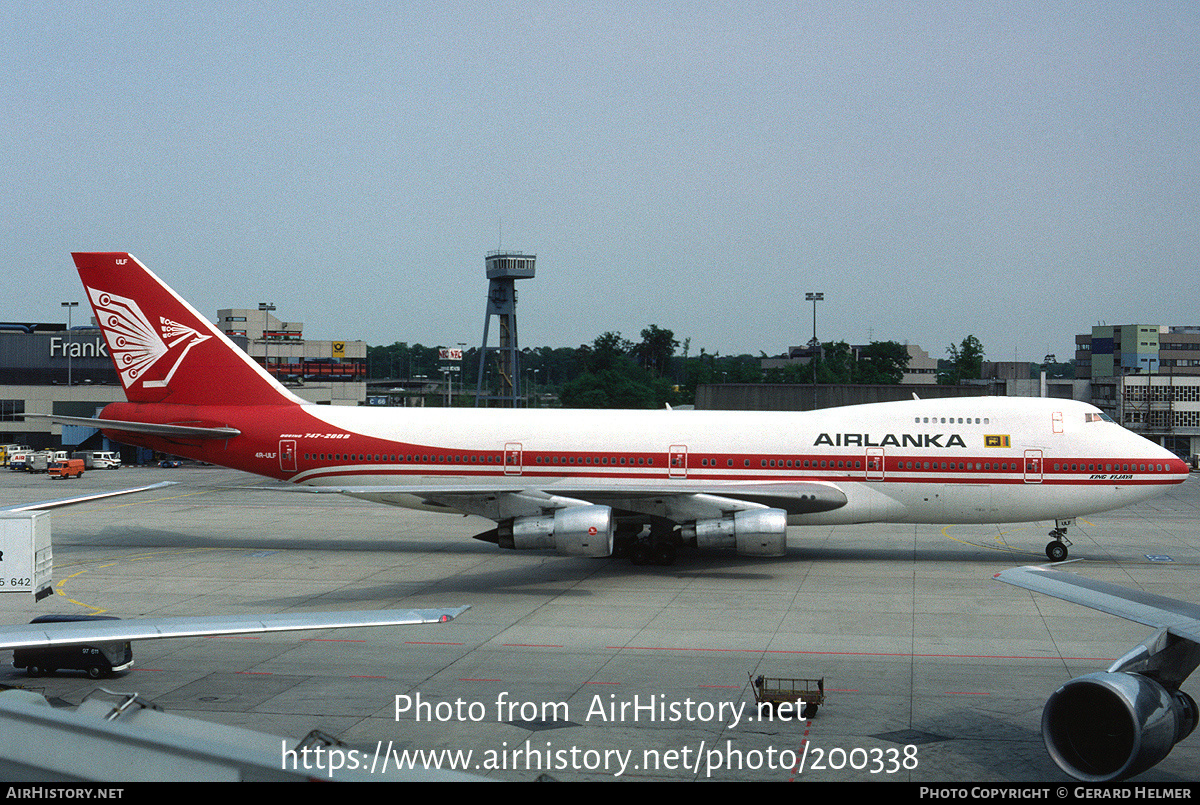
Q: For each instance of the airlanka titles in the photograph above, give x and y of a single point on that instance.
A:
(890, 440)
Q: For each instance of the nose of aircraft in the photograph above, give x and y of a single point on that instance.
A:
(1174, 468)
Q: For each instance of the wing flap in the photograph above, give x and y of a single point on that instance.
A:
(43, 635)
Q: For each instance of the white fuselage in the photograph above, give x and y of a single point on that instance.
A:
(960, 460)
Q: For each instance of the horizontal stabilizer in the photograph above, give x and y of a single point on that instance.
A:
(154, 428)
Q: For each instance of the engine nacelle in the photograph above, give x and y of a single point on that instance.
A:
(577, 531)
(1109, 726)
(757, 532)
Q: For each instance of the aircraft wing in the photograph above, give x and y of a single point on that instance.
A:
(43, 635)
(1180, 618)
(54, 504)
(680, 501)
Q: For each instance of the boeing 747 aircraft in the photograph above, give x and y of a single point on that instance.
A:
(588, 482)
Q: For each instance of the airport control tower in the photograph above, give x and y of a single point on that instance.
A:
(503, 270)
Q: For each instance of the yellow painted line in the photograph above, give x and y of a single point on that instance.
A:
(1003, 548)
(91, 510)
(134, 558)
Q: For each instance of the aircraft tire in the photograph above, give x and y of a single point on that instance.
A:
(1056, 551)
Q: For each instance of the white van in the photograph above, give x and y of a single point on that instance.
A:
(106, 461)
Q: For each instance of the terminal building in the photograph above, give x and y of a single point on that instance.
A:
(48, 369)
(323, 372)
(1146, 377)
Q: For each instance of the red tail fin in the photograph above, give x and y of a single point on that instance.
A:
(163, 349)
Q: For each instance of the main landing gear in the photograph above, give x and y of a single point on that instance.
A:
(1056, 550)
(658, 547)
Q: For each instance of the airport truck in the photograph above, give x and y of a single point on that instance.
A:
(7, 451)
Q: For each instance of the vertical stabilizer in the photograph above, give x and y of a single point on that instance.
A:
(163, 350)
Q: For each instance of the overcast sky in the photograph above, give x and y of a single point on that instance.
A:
(1016, 171)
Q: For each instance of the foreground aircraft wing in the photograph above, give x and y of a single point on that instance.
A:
(1117, 723)
(182, 431)
(1178, 617)
(43, 635)
(54, 504)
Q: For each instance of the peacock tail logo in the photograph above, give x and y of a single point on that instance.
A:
(136, 345)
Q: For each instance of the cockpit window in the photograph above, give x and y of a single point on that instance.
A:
(1097, 417)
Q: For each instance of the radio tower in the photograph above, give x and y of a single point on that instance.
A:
(504, 268)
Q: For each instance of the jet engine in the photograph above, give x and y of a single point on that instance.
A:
(756, 532)
(576, 530)
(1113, 725)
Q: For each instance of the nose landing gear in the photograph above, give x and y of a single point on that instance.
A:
(1056, 550)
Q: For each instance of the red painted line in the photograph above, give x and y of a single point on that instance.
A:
(430, 643)
(329, 640)
(866, 654)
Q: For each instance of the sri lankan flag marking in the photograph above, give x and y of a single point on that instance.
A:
(997, 441)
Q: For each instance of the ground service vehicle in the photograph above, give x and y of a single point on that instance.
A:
(95, 659)
(804, 695)
(65, 468)
(106, 460)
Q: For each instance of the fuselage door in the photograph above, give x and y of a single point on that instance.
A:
(512, 458)
(287, 455)
(1033, 466)
(677, 461)
(1056, 419)
(875, 463)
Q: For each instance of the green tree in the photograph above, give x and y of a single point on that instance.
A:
(612, 379)
(881, 363)
(655, 351)
(966, 362)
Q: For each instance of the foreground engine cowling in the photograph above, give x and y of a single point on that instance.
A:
(1109, 726)
(577, 531)
(757, 532)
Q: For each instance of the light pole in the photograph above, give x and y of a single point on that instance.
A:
(814, 345)
(68, 306)
(462, 345)
(267, 307)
